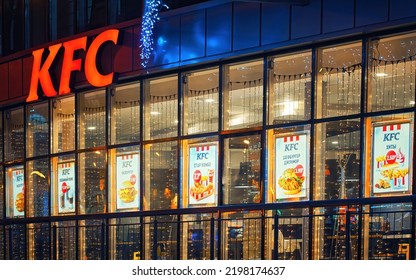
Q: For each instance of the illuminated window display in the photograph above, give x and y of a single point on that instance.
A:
(63, 128)
(92, 119)
(290, 88)
(37, 130)
(243, 95)
(64, 190)
(125, 114)
(37, 188)
(15, 192)
(14, 132)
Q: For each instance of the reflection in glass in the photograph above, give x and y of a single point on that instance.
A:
(242, 175)
(196, 237)
(14, 133)
(92, 182)
(243, 95)
(90, 238)
(241, 235)
(392, 73)
(337, 160)
(201, 102)
(290, 88)
(66, 236)
(37, 130)
(161, 237)
(63, 127)
(125, 114)
(339, 81)
(161, 184)
(161, 108)
(16, 241)
(37, 188)
(92, 119)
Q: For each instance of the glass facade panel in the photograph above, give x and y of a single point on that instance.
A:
(92, 182)
(200, 104)
(125, 114)
(161, 237)
(37, 130)
(388, 154)
(161, 108)
(339, 81)
(91, 122)
(391, 73)
(91, 237)
(161, 185)
(125, 238)
(37, 188)
(243, 95)
(337, 160)
(289, 88)
(63, 125)
(14, 132)
(124, 176)
(39, 241)
(242, 157)
(66, 237)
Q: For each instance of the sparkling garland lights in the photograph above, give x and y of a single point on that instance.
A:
(150, 17)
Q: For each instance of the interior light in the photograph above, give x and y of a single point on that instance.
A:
(91, 128)
(246, 142)
(381, 75)
(209, 100)
(154, 113)
(334, 142)
(412, 102)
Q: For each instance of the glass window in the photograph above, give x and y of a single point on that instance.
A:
(15, 192)
(37, 188)
(392, 73)
(288, 168)
(37, 130)
(14, 132)
(196, 237)
(241, 236)
(125, 239)
(1, 193)
(337, 160)
(125, 114)
(13, 26)
(161, 182)
(242, 170)
(161, 108)
(63, 18)
(92, 119)
(66, 235)
(339, 81)
(290, 88)
(200, 105)
(91, 236)
(39, 241)
(200, 172)
(64, 190)
(243, 95)
(388, 154)
(63, 127)
(124, 174)
(39, 22)
(16, 242)
(92, 181)
(161, 232)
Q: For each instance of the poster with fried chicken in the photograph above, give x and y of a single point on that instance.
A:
(18, 186)
(128, 167)
(291, 166)
(391, 157)
(66, 187)
(202, 182)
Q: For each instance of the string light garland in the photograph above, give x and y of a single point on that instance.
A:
(150, 17)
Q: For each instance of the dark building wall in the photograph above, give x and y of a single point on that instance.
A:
(220, 29)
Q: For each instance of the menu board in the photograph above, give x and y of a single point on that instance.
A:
(391, 157)
(66, 187)
(203, 170)
(291, 166)
(18, 186)
(128, 167)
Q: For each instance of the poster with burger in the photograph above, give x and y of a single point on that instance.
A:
(18, 186)
(66, 187)
(291, 166)
(202, 182)
(127, 181)
(391, 157)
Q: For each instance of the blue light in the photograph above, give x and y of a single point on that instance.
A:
(150, 17)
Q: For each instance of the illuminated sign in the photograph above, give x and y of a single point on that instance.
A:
(41, 72)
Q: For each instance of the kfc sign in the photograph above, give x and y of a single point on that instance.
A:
(41, 74)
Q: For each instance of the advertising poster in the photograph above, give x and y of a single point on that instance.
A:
(391, 158)
(203, 170)
(66, 187)
(128, 181)
(18, 185)
(291, 166)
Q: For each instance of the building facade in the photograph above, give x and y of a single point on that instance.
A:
(245, 130)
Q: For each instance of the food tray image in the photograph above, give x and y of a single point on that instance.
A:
(199, 196)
